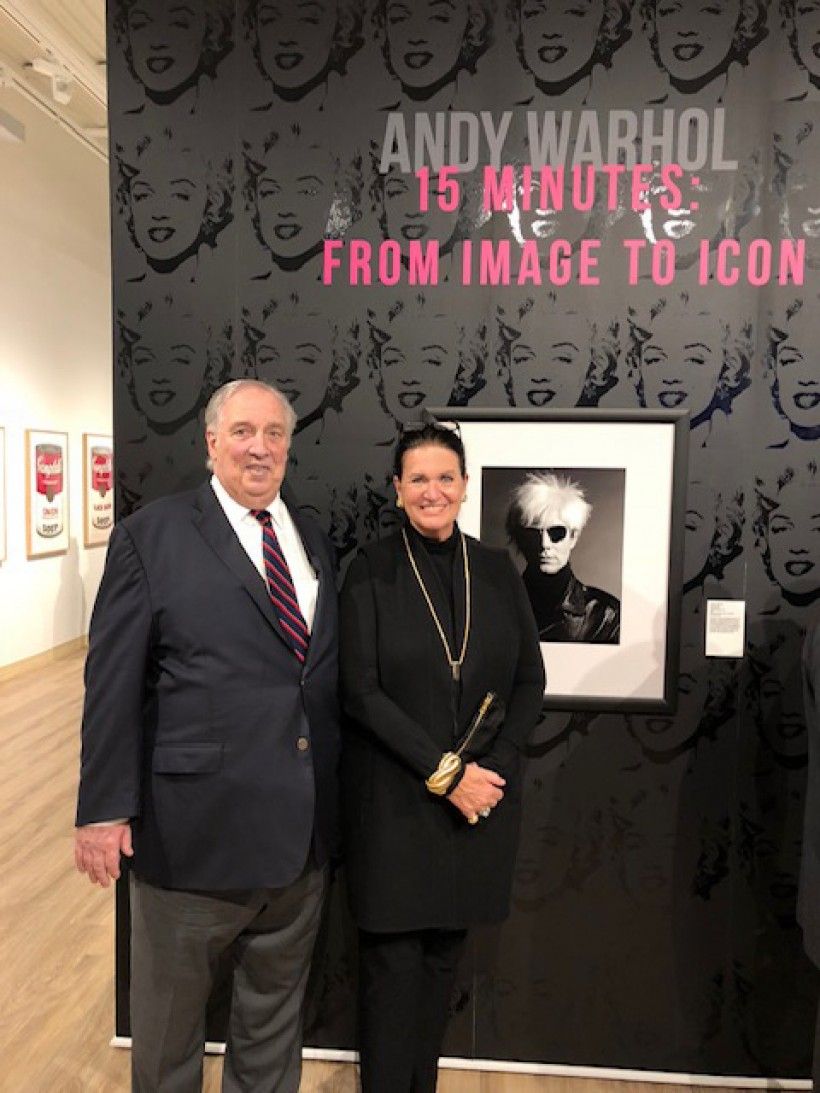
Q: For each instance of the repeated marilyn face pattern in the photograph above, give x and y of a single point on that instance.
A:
(659, 853)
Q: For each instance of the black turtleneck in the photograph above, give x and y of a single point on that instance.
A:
(546, 590)
(441, 553)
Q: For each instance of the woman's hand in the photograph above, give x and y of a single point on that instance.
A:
(478, 791)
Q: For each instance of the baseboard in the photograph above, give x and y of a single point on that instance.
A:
(40, 660)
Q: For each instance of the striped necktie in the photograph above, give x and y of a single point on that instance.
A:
(280, 587)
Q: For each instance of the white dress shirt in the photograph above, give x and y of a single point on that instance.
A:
(249, 532)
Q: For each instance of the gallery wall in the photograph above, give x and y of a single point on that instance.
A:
(55, 361)
(258, 150)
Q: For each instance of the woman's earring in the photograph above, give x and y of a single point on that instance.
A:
(399, 503)
(464, 498)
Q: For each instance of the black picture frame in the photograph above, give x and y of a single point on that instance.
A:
(632, 462)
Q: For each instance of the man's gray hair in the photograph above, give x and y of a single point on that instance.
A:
(218, 399)
(213, 411)
(544, 496)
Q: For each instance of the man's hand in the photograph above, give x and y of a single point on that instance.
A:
(97, 850)
(477, 792)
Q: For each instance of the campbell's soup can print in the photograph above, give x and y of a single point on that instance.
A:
(102, 481)
(48, 519)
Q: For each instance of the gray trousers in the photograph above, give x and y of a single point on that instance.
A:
(178, 941)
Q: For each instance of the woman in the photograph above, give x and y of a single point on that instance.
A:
(791, 366)
(561, 45)
(292, 343)
(420, 354)
(170, 49)
(169, 363)
(394, 198)
(299, 48)
(697, 45)
(774, 695)
(431, 622)
(682, 352)
(542, 352)
(786, 527)
(298, 192)
(430, 45)
(714, 535)
(175, 204)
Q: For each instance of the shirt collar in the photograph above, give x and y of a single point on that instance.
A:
(277, 511)
(236, 512)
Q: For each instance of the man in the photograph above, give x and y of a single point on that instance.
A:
(210, 742)
(808, 897)
(546, 516)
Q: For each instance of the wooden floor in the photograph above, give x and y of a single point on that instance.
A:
(56, 931)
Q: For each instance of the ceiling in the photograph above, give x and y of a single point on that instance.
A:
(52, 51)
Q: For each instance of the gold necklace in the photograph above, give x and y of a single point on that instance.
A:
(455, 665)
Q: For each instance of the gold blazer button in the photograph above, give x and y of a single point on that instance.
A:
(302, 743)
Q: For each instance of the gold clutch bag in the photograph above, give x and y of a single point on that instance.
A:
(483, 729)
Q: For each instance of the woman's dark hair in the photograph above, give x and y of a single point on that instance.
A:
(421, 433)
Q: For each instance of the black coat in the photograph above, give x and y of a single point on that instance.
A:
(199, 723)
(413, 861)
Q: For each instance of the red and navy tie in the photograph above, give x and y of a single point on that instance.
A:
(280, 587)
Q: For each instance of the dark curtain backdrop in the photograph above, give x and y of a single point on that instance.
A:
(653, 920)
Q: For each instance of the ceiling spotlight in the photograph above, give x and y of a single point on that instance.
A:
(62, 86)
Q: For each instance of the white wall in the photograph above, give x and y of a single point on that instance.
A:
(55, 361)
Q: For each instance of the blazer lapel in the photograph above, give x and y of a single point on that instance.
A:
(215, 528)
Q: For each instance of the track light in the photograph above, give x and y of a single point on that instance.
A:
(62, 86)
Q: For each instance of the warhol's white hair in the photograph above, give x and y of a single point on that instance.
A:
(544, 497)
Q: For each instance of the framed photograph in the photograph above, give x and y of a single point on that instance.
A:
(98, 489)
(2, 494)
(590, 504)
(46, 493)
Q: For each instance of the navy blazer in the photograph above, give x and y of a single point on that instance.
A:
(199, 721)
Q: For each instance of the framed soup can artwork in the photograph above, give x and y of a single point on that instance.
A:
(98, 489)
(47, 524)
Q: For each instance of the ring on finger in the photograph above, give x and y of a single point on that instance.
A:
(473, 819)
(485, 812)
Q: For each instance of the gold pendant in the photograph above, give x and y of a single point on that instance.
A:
(456, 667)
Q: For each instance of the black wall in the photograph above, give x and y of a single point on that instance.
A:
(653, 922)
